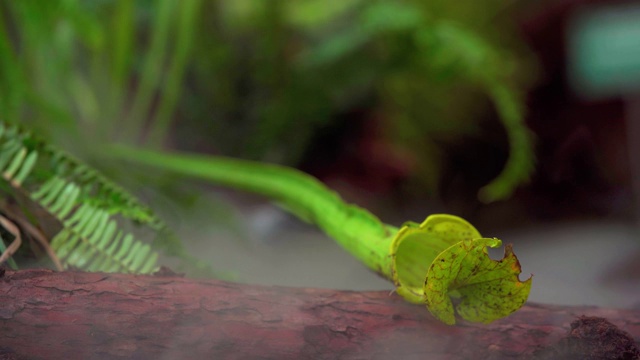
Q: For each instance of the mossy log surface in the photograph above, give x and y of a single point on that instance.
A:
(78, 315)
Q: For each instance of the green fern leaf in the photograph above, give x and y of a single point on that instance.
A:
(82, 200)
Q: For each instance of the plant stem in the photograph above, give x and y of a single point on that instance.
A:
(358, 231)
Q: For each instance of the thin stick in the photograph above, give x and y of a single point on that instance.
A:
(17, 241)
(42, 240)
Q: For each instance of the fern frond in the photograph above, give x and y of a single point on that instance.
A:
(83, 201)
(101, 252)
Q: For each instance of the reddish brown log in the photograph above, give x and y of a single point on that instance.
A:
(76, 315)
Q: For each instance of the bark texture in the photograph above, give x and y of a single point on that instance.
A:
(77, 315)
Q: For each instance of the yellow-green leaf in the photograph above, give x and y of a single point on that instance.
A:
(487, 289)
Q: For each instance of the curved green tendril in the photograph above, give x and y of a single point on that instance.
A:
(429, 263)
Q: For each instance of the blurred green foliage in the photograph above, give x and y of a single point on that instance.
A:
(98, 70)
(257, 78)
